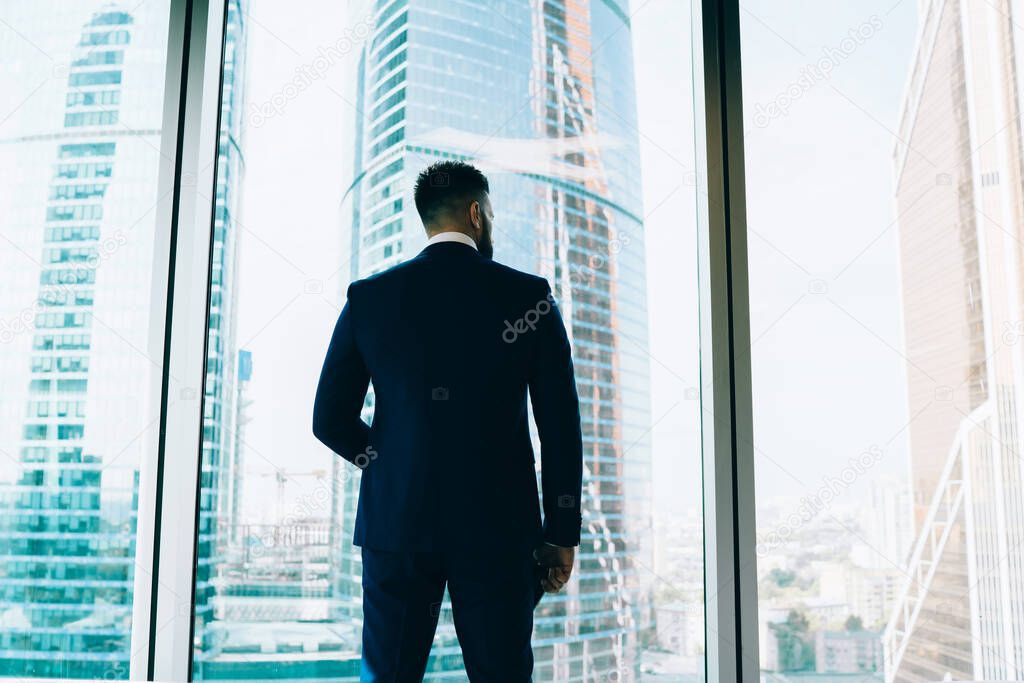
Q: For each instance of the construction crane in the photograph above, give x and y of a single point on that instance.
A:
(283, 477)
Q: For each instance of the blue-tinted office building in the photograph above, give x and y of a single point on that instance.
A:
(67, 537)
(226, 367)
(68, 517)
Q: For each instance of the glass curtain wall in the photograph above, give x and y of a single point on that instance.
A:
(80, 128)
(328, 114)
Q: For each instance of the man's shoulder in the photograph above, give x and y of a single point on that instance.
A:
(383, 278)
(520, 278)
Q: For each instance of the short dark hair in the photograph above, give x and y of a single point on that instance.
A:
(442, 185)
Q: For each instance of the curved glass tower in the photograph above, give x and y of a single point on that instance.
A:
(539, 95)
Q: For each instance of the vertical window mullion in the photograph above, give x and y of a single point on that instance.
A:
(726, 406)
(190, 131)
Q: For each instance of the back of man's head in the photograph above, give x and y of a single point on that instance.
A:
(444, 191)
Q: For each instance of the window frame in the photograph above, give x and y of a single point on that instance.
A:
(192, 98)
(726, 404)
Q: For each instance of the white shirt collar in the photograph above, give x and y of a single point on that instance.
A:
(452, 236)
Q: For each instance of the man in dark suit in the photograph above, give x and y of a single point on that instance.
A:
(452, 342)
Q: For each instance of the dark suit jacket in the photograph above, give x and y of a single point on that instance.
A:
(451, 342)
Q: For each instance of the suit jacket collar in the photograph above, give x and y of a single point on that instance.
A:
(452, 236)
(450, 248)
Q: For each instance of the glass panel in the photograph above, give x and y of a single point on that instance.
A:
(561, 104)
(885, 212)
(80, 128)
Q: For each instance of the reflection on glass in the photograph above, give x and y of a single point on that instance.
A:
(891, 515)
(79, 139)
(339, 120)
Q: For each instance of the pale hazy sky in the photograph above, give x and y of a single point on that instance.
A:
(829, 376)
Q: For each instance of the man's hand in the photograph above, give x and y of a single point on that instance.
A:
(558, 562)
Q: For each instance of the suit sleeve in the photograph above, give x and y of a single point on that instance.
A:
(337, 420)
(556, 410)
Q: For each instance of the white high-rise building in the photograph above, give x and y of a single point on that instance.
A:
(958, 187)
(888, 526)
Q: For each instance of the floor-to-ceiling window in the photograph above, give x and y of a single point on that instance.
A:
(884, 169)
(580, 113)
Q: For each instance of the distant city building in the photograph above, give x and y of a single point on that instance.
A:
(767, 640)
(541, 96)
(812, 677)
(235, 470)
(888, 525)
(848, 652)
(680, 627)
(824, 610)
(874, 593)
(958, 173)
(272, 607)
(768, 646)
(679, 554)
(869, 593)
(279, 574)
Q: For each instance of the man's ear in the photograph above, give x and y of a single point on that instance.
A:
(475, 219)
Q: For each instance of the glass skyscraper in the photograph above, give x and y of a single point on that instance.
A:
(960, 613)
(67, 524)
(68, 518)
(541, 96)
(219, 490)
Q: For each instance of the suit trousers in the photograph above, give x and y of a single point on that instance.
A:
(493, 595)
